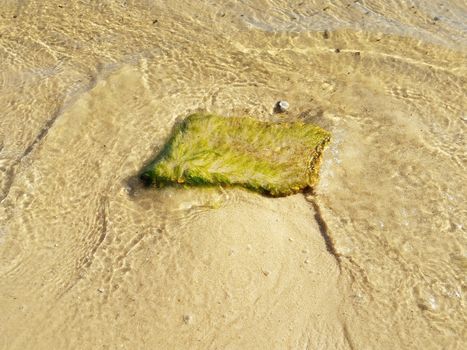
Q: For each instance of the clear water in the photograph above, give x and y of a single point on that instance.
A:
(89, 259)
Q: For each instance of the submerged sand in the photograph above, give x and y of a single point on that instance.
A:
(89, 259)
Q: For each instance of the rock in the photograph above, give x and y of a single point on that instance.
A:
(201, 153)
(188, 319)
(281, 106)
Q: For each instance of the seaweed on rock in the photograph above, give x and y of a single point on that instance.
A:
(276, 159)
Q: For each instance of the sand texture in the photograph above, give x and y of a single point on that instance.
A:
(373, 258)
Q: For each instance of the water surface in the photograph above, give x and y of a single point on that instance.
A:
(89, 259)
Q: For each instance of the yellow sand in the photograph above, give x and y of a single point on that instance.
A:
(90, 91)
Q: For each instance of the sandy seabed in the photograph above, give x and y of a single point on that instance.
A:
(374, 259)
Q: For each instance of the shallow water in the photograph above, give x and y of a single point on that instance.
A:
(375, 259)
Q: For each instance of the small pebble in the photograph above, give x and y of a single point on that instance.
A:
(281, 106)
(188, 319)
(100, 290)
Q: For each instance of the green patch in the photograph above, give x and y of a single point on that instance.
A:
(277, 159)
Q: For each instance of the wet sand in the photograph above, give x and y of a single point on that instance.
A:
(374, 259)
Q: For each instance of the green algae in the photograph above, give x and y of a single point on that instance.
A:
(276, 159)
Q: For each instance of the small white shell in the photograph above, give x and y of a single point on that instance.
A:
(282, 106)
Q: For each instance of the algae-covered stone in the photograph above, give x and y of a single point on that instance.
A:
(272, 158)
